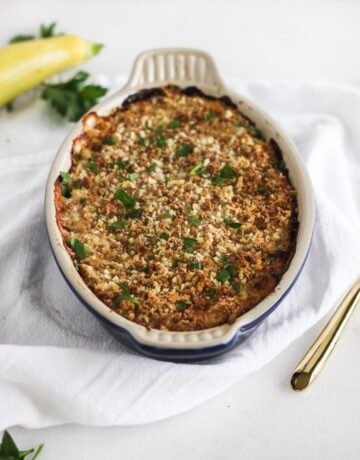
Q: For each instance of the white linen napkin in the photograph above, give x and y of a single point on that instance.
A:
(57, 363)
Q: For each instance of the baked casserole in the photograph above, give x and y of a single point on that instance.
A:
(177, 213)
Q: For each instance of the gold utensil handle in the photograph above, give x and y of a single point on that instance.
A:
(315, 359)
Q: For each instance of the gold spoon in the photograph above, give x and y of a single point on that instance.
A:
(314, 360)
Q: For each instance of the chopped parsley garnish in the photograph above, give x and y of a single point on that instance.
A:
(92, 166)
(109, 140)
(263, 190)
(174, 124)
(223, 275)
(133, 176)
(164, 236)
(116, 225)
(133, 214)
(125, 295)
(219, 181)
(195, 264)
(168, 215)
(183, 305)
(236, 287)
(282, 165)
(73, 98)
(195, 220)
(122, 164)
(196, 169)
(254, 131)
(76, 185)
(185, 150)
(209, 116)
(79, 248)
(152, 167)
(65, 179)
(232, 224)
(227, 172)
(159, 140)
(211, 293)
(228, 273)
(141, 140)
(127, 200)
(189, 244)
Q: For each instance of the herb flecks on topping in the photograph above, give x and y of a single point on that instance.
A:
(92, 166)
(152, 167)
(185, 150)
(263, 190)
(109, 140)
(164, 236)
(196, 169)
(195, 220)
(79, 248)
(209, 116)
(174, 124)
(125, 295)
(189, 244)
(183, 305)
(127, 200)
(116, 225)
(232, 224)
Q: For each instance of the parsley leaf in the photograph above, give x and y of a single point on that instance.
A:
(21, 38)
(252, 129)
(44, 32)
(167, 215)
(195, 220)
(282, 165)
(65, 177)
(109, 140)
(228, 273)
(152, 167)
(9, 450)
(125, 295)
(116, 225)
(195, 264)
(73, 98)
(189, 244)
(79, 248)
(263, 190)
(127, 200)
(196, 169)
(47, 31)
(183, 305)
(232, 224)
(237, 287)
(164, 236)
(159, 140)
(185, 150)
(209, 116)
(133, 214)
(92, 166)
(227, 172)
(174, 124)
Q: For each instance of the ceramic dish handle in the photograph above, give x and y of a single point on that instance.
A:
(184, 66)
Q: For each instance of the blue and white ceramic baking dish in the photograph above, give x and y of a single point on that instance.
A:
(185, 67)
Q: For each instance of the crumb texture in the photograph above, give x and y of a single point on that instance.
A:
(177, 213)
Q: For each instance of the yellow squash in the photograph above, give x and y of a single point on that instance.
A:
(26, 64)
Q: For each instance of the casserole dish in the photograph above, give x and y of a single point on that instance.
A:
(184, 68)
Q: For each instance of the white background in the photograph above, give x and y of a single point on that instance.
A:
(261, 417)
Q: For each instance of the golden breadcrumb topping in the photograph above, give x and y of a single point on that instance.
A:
(178, 214)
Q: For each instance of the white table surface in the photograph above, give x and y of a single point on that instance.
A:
(261, 417)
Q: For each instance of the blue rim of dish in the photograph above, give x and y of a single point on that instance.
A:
(181, 353)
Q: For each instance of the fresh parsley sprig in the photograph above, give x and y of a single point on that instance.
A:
(44, 32)
(72, 98)
(10, 451)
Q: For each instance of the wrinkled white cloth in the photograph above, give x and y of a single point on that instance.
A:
(57, 363)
